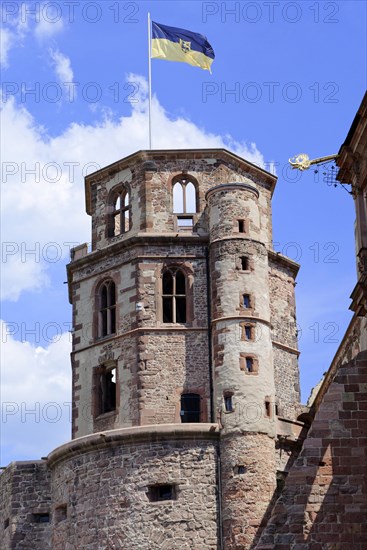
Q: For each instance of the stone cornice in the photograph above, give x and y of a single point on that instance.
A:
(128, 436)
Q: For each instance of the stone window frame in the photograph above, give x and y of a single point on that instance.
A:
(175, 178)
(119, 191)
(203, 403)
(255, 363)
(250, 263)
(189, 283)
(246, 310)
(98, 322)
(252, 327)
(268, 413)
(228, 394)
(103, 369)
(96, 297)
(236, 226)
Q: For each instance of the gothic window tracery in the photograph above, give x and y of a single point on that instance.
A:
(174, 296)
(119, 221)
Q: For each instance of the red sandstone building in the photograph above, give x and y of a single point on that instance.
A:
(186, 414)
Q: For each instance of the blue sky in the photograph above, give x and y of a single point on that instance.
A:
(288, 78)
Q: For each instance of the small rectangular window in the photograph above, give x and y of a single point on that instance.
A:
(41, 518)
(241, 469)
(248, 332)
(246, 301)
(6, 523)
(244, 263)
(157, 493)
(228, 404)
(249, 364)
(267, 409)
(241, 226)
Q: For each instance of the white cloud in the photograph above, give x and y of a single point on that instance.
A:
(62, 65)
(7, 40)
(35, 394)
(35, 206)
(49, 24)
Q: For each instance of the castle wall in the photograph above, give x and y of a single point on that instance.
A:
(25, 496)
(324, 502)
(101, 485)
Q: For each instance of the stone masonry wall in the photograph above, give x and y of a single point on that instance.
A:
(103, 491)
(284, 336)
(324, 502)
(24, 493)
(246, 493)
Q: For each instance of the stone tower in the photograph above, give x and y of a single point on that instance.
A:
(183, 318)
(184, 360)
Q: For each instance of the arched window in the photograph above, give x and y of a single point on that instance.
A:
(190, 407)
(107, 309)
(119, 221)
(174, 296)
(184, 196)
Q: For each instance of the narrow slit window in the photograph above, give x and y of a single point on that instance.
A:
(244, 263)
(248, 332)
(249, 364)
(228, 403)
(246, 302)
(107, 309)
(241, 226)
(267, 409)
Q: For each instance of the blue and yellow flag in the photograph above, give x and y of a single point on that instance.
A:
(175, 44)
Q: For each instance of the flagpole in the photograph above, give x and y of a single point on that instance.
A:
(150, 80)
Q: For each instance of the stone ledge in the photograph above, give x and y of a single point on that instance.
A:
(137, 434)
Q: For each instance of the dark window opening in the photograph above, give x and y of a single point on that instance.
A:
(6, 523)
(276, 409)
(41, 518)
(120, 218)
(107, 309)
(244, 263)
(61, 513)
(228, 404)
(249, 364)
(248, 332)
(241, 469)
(190, 407)
(267, 408)
(174, 296)
(106, 389)
(158, 493)
(241, 226)
(246, 301)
